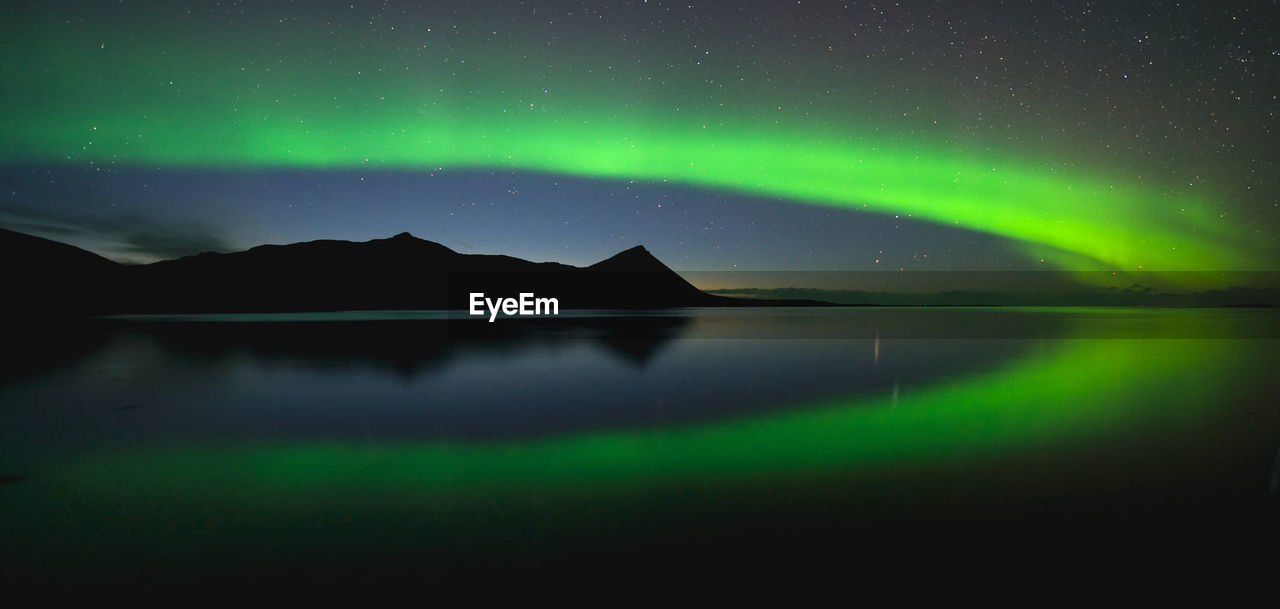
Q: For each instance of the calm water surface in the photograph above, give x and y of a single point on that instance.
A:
(407, 447)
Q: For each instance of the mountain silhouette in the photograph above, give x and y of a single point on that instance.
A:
(42, 275)
(635, 276)
(400, 272)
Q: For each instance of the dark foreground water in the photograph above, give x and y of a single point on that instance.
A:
(405, 452)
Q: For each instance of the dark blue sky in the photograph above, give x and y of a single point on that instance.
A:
(142, 215)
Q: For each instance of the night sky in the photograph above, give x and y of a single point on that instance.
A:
(749, 135)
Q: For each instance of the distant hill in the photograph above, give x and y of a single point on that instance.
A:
(45, 277)
(41, 275)
(1079, 295)
(400, 272)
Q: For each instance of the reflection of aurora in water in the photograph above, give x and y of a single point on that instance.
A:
(1076, 390)
(1075, 394)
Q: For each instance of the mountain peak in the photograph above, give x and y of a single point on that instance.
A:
(407, 242)
(638, 252)
(634, 259)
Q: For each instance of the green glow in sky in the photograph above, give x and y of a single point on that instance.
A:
(175, 99)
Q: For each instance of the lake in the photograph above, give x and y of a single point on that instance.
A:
(626, 449)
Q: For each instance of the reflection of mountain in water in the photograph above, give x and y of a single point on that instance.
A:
(471, 378)
(411, 348)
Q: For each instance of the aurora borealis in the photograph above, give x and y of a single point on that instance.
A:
(1064, 136)
(1073, 378)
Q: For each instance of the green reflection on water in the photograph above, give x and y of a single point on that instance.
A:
(1077, 389)
(203, 499)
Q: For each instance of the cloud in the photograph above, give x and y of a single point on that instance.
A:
(128, 238)
(464, 245)
(38, 228)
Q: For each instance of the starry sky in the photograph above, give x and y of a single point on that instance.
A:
(760, 135)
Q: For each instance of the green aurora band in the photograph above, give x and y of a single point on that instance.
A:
(117, 95)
